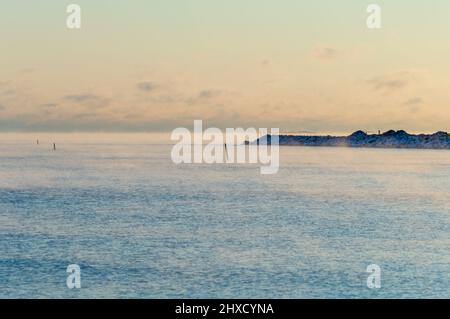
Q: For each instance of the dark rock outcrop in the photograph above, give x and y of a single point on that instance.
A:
(389, 139)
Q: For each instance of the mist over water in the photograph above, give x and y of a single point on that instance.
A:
(140, 226)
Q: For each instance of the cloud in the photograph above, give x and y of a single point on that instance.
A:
(414, 104)
(86, 123)
(207, 94)
(414, 101)
(26, 70)
(50, 105)
(265, 63)
(393, 81)
(325, 53)
(145, 86)
(5, 88)
(204, 96)
(379, 84)
(81, 98)
(90, 100)
(84, 115)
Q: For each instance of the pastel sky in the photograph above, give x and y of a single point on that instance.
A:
(154, 65)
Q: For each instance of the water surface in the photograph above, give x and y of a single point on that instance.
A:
(140, 226)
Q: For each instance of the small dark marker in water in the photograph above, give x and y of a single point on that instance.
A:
(37, 142)
(54, 146)
(226, 151)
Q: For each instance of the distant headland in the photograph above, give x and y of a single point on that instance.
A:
(389, 139)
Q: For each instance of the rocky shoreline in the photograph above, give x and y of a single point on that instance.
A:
(389, 139)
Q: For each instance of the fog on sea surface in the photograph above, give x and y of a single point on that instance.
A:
(140, 226)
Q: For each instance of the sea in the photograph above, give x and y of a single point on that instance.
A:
(140, 226)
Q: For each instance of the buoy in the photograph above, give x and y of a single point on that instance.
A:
(226, 152)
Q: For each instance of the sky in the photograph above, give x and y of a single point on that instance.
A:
(155, 65)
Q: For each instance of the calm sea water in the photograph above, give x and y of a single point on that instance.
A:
(140, 226)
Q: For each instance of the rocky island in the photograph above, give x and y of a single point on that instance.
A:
(389, 139)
